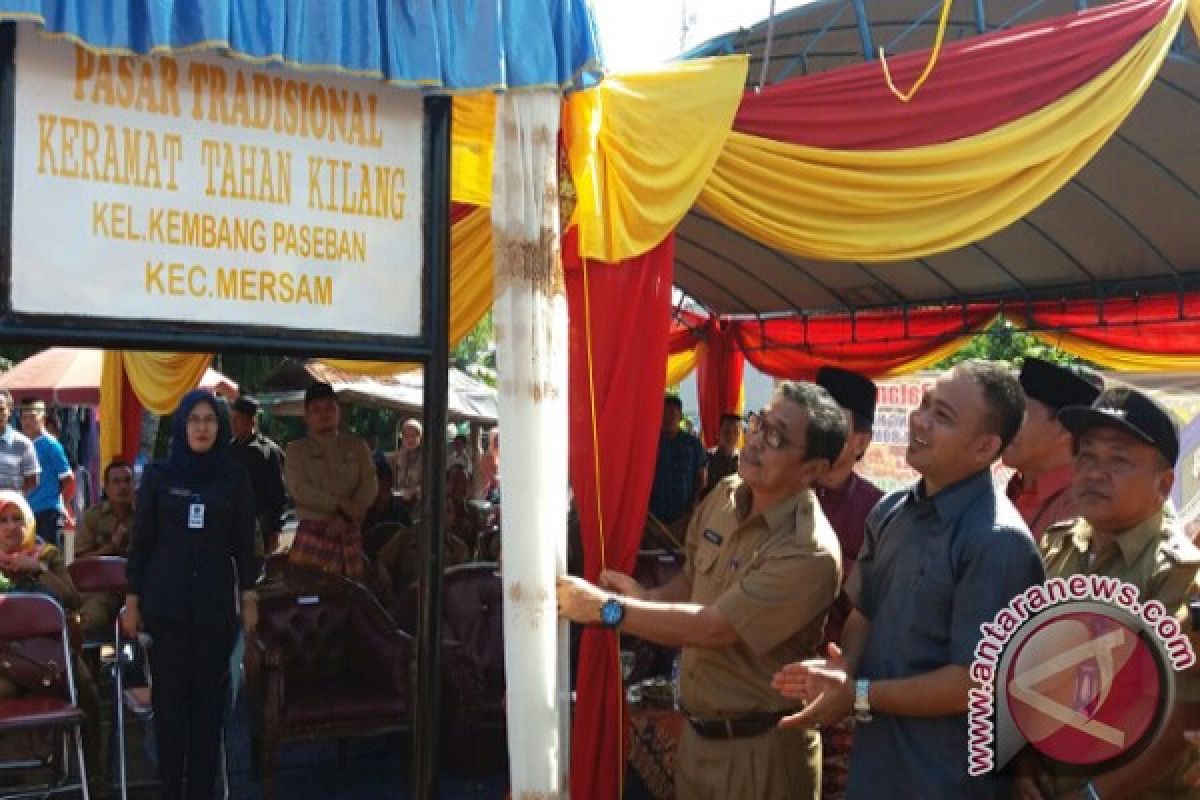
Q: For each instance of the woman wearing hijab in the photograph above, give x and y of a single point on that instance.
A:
(193, 539)
(27, 565)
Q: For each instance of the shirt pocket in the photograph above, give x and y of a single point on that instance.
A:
(707, 556)
(933, 604)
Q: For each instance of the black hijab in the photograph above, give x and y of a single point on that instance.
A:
(187, 464)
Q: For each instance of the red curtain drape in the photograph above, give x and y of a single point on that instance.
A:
(131, 420)
(630, 306)
(1166, 324)
(718, 377)
(980, 83)
(870, 342)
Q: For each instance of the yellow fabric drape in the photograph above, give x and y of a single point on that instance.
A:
(472, 128)
(680, 365)
(1194, 13)
(470, 289)
(1115, 358)
(111, 370)
(160, 380)
(877, 206)
(641, 146)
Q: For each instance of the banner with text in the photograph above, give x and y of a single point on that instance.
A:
(201, 189)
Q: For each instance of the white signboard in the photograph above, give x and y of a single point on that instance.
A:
(203, 189)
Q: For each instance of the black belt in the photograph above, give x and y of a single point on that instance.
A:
(737, 727)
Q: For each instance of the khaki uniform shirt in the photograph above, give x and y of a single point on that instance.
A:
(773, 576)
(1162, 563)
(97, 529)
(323, 471)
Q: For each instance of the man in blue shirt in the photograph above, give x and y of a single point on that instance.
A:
(679, 472)
(56, 481)
(938, 560)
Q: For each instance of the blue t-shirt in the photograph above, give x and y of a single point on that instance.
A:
(53, 460)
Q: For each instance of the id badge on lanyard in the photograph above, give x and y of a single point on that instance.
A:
(196, 513)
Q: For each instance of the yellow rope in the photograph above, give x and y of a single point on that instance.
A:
(905, 97)
(587, 332)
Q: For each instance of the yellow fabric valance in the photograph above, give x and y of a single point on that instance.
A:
(472, 126)
(641, 146)
(1116, 358)
(877, 206)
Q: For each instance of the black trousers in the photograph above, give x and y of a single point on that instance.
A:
(49, 526)
(189, 663)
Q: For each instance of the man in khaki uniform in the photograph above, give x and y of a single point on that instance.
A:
(1126, 446)
(763, 567)
(104, 531)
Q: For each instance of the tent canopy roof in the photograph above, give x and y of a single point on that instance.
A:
(283, 391)
(71, 376)
(1124, 225)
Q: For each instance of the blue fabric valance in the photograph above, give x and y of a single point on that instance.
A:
(435, 45)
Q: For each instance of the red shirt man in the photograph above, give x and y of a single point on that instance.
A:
(1041, 452)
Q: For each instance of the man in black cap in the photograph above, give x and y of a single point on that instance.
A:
(1126, 446)
(723, 459)
(1041, 452)
(263, 459)
(846, 498)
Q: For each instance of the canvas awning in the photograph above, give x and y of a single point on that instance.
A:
(469, 400)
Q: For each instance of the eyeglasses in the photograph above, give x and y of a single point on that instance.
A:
(756, 422)
(209, 421)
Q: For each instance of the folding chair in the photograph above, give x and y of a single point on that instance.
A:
(99, 575)
(23, 619)
(137, 702)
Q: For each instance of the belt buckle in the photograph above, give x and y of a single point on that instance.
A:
(729, 728)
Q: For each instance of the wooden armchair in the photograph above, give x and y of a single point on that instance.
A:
(327, 663)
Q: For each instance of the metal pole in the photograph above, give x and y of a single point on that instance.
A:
(866, 39)
(427, 700)
(766, 59)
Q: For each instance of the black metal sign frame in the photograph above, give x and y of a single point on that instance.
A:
(429, 348)
(75, 326)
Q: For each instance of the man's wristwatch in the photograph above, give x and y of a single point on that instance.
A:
(612, 611)
(862, 700)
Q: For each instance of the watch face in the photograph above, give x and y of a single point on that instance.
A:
(611, 612)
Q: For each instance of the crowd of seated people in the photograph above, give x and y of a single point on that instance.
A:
(357, 517)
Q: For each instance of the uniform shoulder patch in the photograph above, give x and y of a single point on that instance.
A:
(1062, 525)
(1181, 551)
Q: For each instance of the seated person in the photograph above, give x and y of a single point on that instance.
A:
(28, 565)
(401, 555)
(386, 511)
(104, 531)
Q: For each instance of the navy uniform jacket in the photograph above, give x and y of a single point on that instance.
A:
(188, 574)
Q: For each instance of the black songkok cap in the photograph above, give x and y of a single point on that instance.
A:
(850, 390)
(246, 405)
(318, 391)
(1056, 386)
(1131, 411)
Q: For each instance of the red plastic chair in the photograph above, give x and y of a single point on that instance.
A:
(25, 617)
(99, 574)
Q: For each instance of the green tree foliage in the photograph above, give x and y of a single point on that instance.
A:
(476, 353)
(1003, 341)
